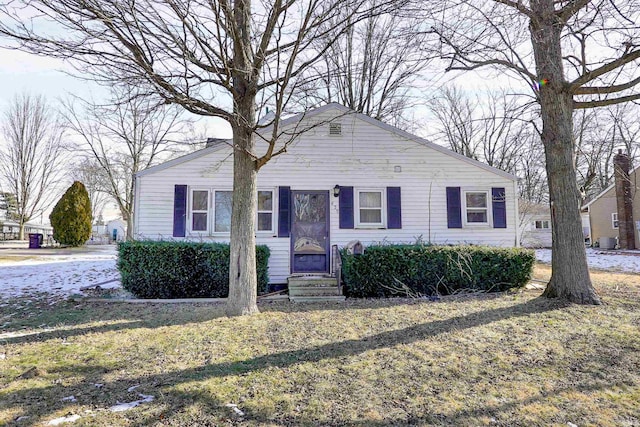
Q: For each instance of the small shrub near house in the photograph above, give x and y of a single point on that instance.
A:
(401, 270)
(161, 269)
(71, 216)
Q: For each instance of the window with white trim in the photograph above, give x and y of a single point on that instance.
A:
(370, 208)
(614, 220)
(222, 211)
(476, 207)
(200, 210)
(542, 225)
(210, 211)
(265, 211)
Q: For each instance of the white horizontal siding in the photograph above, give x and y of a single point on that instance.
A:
(364, 156)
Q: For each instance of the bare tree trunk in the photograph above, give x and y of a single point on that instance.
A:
(128, 218)
(570, 276)
(21, 229)
(243, 282)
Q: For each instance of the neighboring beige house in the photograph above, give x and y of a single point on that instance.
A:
(603, 215)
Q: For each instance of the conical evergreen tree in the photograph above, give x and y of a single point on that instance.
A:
(71, 217)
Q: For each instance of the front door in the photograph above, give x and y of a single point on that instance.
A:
(310, 232)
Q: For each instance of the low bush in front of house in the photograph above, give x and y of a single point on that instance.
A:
(420, 270)
(162, 269)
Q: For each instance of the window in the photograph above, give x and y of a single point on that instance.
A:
(201, 214)
(542, 225)
(335, 129)
(614, 220)
(476, 207)
(370, 208)
(265, 211)
(199, 210)
(222, 209)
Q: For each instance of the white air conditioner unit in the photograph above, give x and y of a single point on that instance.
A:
(607, 242)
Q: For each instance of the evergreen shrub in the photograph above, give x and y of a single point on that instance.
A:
(166, 269)
(423, 270)
(71, 216)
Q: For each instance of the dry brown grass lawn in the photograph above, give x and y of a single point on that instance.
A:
(506, 360)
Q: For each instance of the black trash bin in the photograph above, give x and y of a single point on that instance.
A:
(35, 240)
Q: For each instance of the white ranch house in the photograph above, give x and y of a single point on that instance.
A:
(348, 178)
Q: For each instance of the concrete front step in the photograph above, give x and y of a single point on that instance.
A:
(311, 281)
(313, 290)
(320, 298)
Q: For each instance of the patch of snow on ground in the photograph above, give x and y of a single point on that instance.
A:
(129, 405)
(58, 275)
(603, 260)
(62, 420)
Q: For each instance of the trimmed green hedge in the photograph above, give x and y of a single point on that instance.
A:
(162, 269)
(420, 270)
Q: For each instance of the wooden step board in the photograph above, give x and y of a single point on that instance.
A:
(314, 289)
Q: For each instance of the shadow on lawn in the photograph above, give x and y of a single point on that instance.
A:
(502, 414)
(469, 416)
(340, 349)
(130, 316)
(70, 316)
(369, 303)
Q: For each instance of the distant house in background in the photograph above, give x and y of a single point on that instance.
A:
(9, 230)
(349, 177)
(99, 230)
(603, 213)
(535, 225)
(113, 231)
(117, 230)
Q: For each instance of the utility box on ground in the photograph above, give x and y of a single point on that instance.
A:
(607, 242)
(35, 240)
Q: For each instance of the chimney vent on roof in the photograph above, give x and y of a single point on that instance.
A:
(216, 141)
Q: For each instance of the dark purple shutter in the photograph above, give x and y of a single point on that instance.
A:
(346, 207)
(284, 211)
(454, 208)
(499, 205)
(394, 208)
(180, 211)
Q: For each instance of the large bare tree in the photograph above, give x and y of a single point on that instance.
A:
(574, 54)
(599, 134)
(489, 126)
(456, 119)
(32, 157)
(121, 138)
(377, 68)
(89, 172)
(213, 58)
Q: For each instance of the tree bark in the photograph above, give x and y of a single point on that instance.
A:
(570, 273)
(243, 282)
(128, 218)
